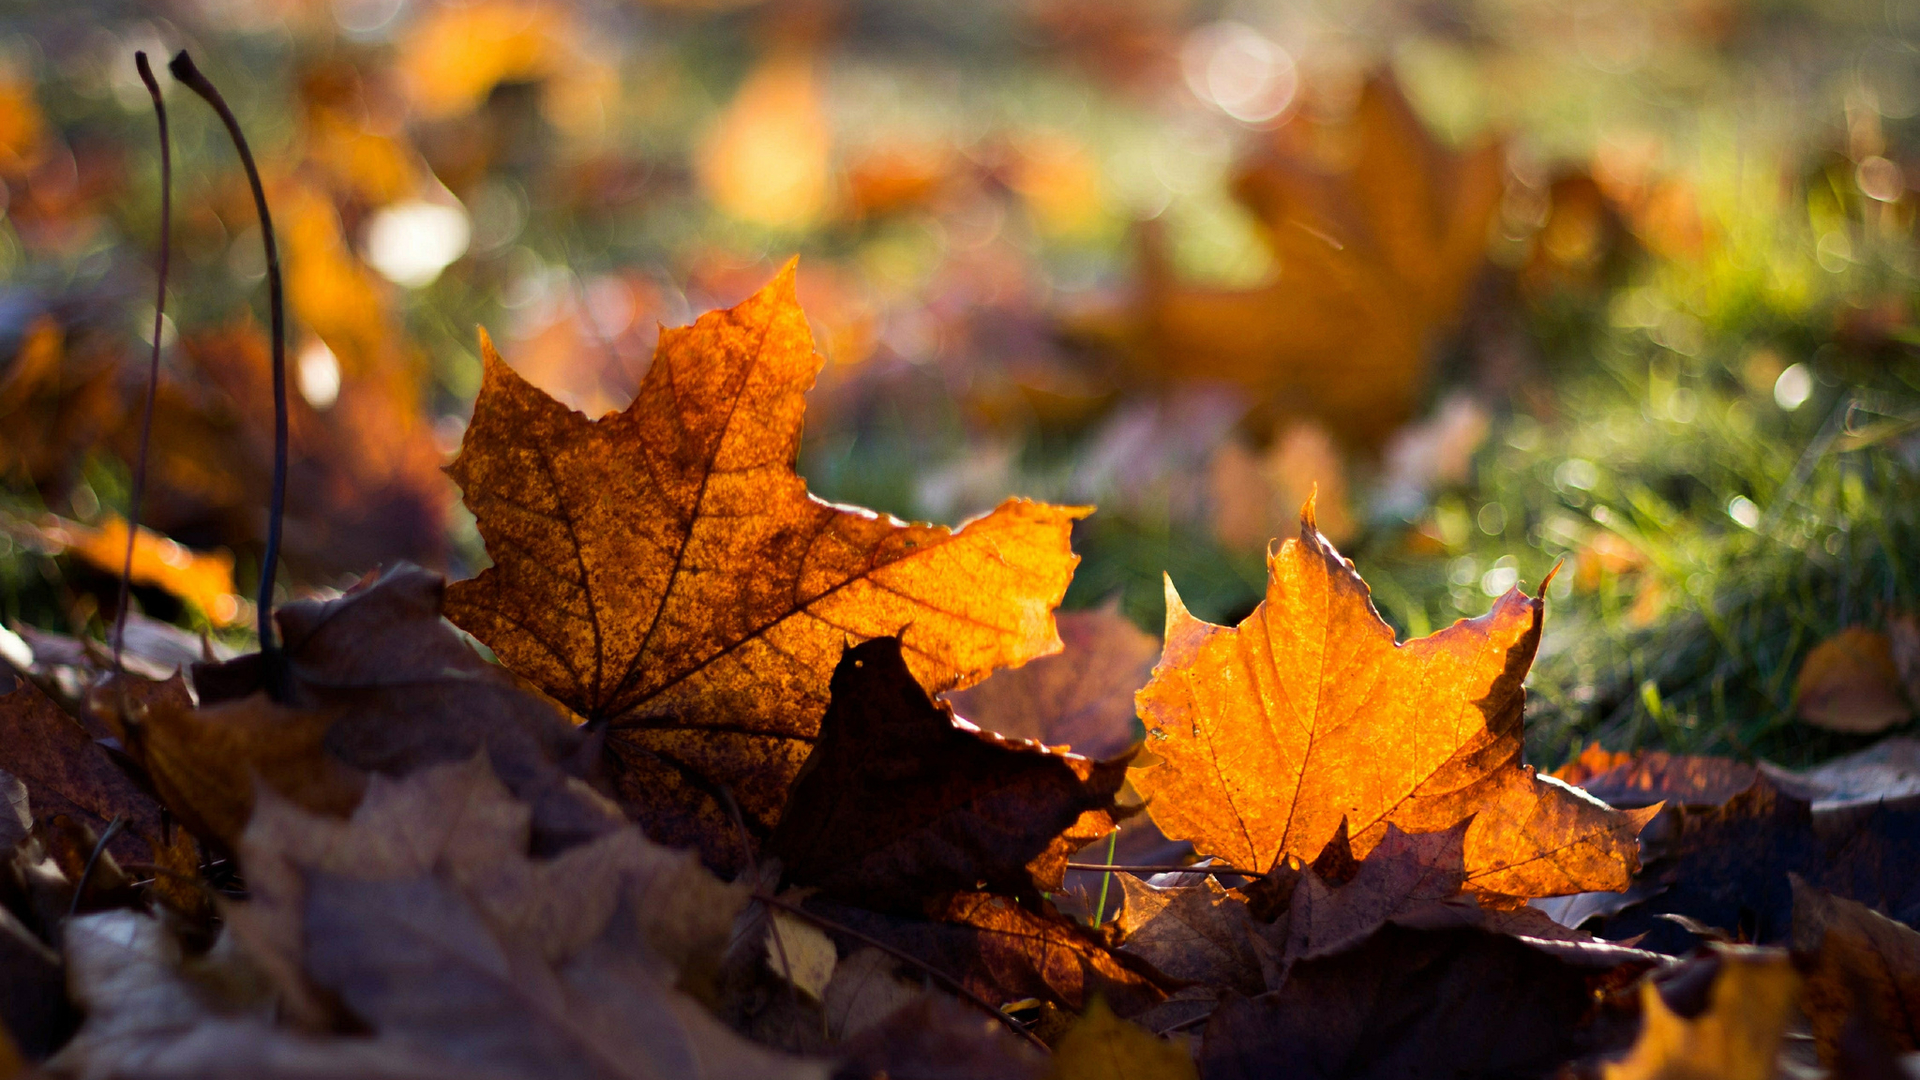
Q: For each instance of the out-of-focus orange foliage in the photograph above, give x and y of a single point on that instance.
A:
(21, 125)
(203, 579)
(1256, 495)
(1059, 179)
(890, 178)
(663, 571)
(1377, 231)
(55, 401)
(457, 53)
(364, 474)
(766, 159)
(1309, 718)
(1661, 209)
(358, 141)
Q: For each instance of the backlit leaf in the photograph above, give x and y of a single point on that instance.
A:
(664, 573)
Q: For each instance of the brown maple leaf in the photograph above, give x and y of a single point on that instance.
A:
(664, 573)
(1309, 712)
(900, 802)
(1377, 232)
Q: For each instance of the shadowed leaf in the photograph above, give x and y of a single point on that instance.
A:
(899, 802)
(1858, 966)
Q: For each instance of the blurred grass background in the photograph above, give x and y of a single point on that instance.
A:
(1676, 355)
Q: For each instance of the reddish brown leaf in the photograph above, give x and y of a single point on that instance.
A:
(664, 573)
(899, 801)
(66, 772)
(1648, 777)
(1082, 697)
(1308, 713)
(935, 1038)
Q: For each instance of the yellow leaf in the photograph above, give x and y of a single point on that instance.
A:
(1309, 714)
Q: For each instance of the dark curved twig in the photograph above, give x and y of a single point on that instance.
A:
(153, 364)
(184, 70)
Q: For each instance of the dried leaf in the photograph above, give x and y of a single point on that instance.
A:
(459, 821)
(1081, 697)
(1850, 683)
(378, 684)
(1858, 966)
(1728, 867)
(800, 953)
(1650, 777)
(899, 801)
(1404, 873)
(1101, 1046)
(663, 572)
(1418, 1003)
(416, 961)
(35, 1017)
(1377, 232)
(149, 1017)
(1307, 713)
(66, 772)
(935, 1038)
(1192, 933)
(1736, 1037)
(1005, 952)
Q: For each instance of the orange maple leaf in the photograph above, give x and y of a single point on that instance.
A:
(664, 573)
(1308, 713)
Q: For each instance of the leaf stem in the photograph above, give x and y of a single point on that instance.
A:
(184, 70)
(939, 976)
(1219, 871)
(153, 364)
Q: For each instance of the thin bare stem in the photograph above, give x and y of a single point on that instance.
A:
(1218, 871)
(153, 364)
(938, 976)
(184, 70)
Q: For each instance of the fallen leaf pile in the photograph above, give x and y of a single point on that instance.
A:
(744, 796)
